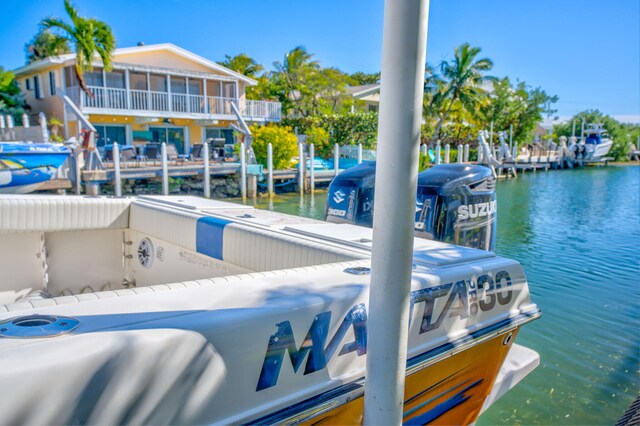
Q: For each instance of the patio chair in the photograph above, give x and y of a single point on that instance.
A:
(196, 152)
(128, 154)
(108, 154)
(152, 151)
(172, 152)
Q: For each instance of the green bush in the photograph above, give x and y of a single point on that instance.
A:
(319, 137)
(344, 129)
(283, 140)
(423, 163)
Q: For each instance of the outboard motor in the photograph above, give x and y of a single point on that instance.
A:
(350, 197)
(455, 203)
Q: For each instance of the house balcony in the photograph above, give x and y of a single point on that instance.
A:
(148, 103)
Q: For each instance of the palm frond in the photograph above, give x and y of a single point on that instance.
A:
(72, 12)
(57, 23)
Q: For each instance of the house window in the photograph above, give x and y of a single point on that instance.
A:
(138, 80)
(36, 87)
(157, 83)
(27, 84)
(52, 83)
(195, 87)
(115, 79)
(70, 79)
(94, 78)
(174, 135)
(229, 90)
(178, 85)
(373, 108)
(107, 135)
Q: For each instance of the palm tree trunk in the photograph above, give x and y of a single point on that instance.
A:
(436, 134)
(81, 81)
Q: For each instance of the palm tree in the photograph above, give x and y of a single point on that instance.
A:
(45, 44)
(464, 75)
(434, 87)
(242, 63)
(293, 74)
(89, 36)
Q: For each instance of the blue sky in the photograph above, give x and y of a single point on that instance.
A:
(585, 51)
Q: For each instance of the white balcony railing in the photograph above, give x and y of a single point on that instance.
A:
(145, 100)
(262, 109)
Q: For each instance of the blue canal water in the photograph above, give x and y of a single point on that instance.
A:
(577, 235)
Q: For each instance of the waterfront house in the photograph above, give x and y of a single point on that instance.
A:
(368, 96)
(154, 93)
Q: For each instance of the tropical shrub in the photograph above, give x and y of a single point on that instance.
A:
(283, 140)
(346, 129)
(319, 137)
(11, 98)
(424, 162)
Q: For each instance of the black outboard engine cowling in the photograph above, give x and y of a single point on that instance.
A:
(455, 203)
(350, 198)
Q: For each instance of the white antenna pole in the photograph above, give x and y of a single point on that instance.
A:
(403, 60)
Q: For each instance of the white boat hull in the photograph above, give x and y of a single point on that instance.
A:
(600, 150)
(197, 311)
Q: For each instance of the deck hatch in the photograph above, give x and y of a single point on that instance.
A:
(35, 326)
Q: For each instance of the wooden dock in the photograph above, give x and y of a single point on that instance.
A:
(153, 169)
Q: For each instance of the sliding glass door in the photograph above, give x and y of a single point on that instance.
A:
(174, 135)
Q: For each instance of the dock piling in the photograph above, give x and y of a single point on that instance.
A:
(336, 159)
(77, 152)
(312, 177)
(207, 175)
(447, 152)
(270, 169)
(165, 169)
(25, 121)
(42, 119)
(252, 186)
(92, 188)
(423, 149)
(359, 153)
(438, 153)
(460, 153)
(116, 169)
(466, 153)
(243, 172)
(12, 133)
(301, 167)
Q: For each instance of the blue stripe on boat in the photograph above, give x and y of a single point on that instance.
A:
(210, 235)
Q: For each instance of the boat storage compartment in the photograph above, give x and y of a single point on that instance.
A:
(65, 246)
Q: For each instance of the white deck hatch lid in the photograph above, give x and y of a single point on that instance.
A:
(425, 252)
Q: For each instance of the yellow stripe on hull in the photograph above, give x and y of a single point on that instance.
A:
(449, 392)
